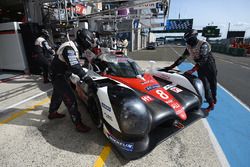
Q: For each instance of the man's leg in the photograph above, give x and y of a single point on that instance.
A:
(208, 94)
(70, 101)
(213, 85)
(56, 101)
(212, 79)
(44, 63)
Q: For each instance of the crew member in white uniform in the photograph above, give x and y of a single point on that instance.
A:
(43, 54)
(65, 67)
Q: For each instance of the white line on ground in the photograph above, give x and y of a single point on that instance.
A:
(175, 51)
(222, 158)
(216, 145)
(244, 64)
(28, 99)
(226, 61)
(245, 67)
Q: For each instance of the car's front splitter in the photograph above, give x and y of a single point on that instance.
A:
(135, 149)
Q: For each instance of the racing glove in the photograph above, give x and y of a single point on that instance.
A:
(74, 78)
(90, 83)
(177, 62)
(86, 79)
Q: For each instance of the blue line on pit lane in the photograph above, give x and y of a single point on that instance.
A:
(230, 122)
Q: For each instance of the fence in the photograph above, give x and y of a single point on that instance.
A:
(228, 50)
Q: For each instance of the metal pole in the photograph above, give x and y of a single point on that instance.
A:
(66, 12)
(59, 10)
(228, 26)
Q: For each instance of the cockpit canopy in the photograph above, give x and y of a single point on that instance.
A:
(120, 65)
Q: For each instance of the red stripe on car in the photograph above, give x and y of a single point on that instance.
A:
(149, 86)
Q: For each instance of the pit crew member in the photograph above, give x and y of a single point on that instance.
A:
(200, 52)
(65, 67)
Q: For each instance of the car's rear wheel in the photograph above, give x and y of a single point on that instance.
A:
(95, 110)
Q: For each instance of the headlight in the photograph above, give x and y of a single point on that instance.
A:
(134, 118)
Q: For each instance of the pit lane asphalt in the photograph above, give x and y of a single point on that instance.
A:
(28, 138)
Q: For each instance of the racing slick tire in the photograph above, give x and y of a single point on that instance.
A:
(95, 110)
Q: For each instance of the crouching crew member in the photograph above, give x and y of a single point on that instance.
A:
(43, 54)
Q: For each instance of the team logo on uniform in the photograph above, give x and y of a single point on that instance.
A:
(106, 107)
(72, 57)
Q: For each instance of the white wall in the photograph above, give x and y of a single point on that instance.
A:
(12, 55)
(152, 37)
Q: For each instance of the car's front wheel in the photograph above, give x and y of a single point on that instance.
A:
(95, 110)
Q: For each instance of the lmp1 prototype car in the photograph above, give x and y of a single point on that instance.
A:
(136, 110)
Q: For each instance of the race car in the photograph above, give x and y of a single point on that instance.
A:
(135, 109)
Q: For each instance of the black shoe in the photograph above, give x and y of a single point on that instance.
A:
(55, 115)
(80, 127)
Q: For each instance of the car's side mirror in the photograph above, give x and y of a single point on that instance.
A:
(107, 71)
(151, 63)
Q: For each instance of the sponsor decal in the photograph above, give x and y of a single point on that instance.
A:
(169, 86)
(71, 52)
(72, 57)
(169, 101)
(147, 82)
(149, 88)
(123, 145)
(106, 107)
(173, 103)
(176, 90)
(108, 116)
(147, 98)
(146, 6)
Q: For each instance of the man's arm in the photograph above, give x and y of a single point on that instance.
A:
(204, 53)
(47, 47)
(72, 61)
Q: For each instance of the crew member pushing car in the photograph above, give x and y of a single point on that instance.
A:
(200, 52)
(65, 67)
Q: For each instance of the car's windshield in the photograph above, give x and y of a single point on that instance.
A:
(122, 66)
